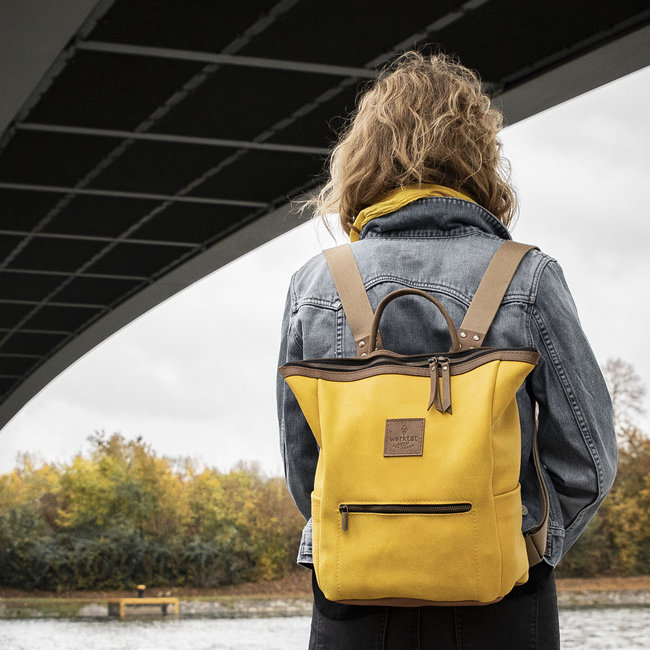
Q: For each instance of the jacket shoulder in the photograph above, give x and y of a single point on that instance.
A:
(526, 280)
(313, 282)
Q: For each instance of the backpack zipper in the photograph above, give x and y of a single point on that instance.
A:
(441, 398)
(401, 509)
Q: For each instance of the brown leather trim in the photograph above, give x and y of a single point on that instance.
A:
(490, 292)
(416, 602)
(354, 299)
(536, 537)
(354, 373)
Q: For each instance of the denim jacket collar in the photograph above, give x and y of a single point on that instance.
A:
(435, 217)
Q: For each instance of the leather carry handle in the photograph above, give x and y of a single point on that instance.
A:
(455, 345)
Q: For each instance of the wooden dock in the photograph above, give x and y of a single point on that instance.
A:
(118, 606)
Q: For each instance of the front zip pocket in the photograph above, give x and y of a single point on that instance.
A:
(401, 509)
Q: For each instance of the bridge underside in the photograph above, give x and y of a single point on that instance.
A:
(145, 144)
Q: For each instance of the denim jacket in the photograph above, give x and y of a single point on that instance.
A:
(443, 246)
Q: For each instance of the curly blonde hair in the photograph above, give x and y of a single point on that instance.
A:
(425, 119)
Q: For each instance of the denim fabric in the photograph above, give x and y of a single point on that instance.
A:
(443, 246)
(526, 619)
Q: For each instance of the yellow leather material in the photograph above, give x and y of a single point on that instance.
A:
(471, 456)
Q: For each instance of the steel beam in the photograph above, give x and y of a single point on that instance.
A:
(29, 187)
(228, 59)
(125, 240)
(83, 305)
(37, 331)
(97, 276)
(168, 137)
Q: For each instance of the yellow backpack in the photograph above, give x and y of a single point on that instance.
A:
(416, 496)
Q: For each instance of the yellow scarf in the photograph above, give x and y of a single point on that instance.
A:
(398, 198)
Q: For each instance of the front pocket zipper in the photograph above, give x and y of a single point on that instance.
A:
(400, 509)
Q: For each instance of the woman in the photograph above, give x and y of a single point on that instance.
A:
(419, 184)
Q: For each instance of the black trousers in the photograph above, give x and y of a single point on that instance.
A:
(526, 619)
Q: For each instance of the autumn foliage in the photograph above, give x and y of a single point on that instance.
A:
(123, 515)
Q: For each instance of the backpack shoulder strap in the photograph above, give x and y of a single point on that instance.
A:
(490, 292)
(471, 334)
(354, 299)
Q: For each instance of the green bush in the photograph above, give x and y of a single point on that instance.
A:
(123, 516)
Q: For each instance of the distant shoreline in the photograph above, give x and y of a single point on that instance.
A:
(289, 596)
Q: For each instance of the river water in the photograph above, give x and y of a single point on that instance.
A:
(587, 629)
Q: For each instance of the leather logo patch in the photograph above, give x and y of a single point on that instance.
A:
(404, 437)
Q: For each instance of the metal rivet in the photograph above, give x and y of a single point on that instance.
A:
(463, 334)
(363, 354)
(471, 347)
(476, 337)
(524, 510)
(444, 367)
(362, 344)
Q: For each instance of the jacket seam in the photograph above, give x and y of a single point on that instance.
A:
(291, 329)
(318, 302)
(335, 304)
(293, 294)
(433, 286)
(442, 288)
(423, 234)
(294, 336)
(530, 340)
(460, 232)
(537, 274)
(575, 408)
(339, 332)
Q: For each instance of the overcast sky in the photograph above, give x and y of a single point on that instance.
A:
(185, 377)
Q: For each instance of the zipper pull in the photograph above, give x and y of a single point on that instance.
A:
(445, 373)
(344, 517)
(434, 396)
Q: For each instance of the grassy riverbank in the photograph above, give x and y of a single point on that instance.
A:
(289, 596)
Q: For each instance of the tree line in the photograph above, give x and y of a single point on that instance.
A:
(121, 515)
